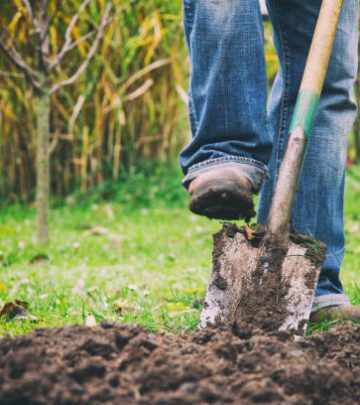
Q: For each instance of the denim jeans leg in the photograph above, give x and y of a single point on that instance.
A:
(228, 87)
(318, 207)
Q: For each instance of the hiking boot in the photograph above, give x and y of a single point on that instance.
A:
(346, 312)
(222, 193)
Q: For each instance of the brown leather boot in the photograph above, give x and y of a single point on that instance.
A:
(344, 312)
(222, 193)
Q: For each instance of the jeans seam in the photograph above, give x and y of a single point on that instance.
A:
(188, 14)
(284, 98)
(189, 20)
(238, 159)
(192, 113)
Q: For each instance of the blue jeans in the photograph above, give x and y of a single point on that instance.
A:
(232, 124)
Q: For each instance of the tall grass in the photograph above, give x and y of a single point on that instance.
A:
(128, 105)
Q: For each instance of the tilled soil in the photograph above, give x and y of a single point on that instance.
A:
(124, 364)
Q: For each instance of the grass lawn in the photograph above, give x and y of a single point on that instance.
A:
(140, 256)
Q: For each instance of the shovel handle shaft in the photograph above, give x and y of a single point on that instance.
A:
(303, 118)
(316, 66)
(280, 211)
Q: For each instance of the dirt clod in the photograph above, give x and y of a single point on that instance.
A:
(114, 363)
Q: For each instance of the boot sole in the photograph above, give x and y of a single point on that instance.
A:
(223, 200)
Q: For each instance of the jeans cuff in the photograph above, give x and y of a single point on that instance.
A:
(329, 300)
(254, 170)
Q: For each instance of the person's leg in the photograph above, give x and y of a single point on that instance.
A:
(228, 90)
(318, 207)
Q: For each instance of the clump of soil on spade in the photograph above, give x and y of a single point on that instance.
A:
(125, 364)
(261, 280)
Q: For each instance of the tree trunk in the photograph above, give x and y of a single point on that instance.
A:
(43, 165)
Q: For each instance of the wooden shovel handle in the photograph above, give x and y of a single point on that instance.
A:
(303, 118)
(321, 46)
(316, 66)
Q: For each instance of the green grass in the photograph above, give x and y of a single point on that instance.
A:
(141, 253)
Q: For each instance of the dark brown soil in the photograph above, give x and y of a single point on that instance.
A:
(123, 364)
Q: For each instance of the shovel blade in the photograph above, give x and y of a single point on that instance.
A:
(260, 285)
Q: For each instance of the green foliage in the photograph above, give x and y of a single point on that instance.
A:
(147, 185)
(147, 263)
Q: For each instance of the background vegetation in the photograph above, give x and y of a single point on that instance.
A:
(127, 106)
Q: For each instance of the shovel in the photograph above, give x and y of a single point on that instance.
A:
(265, 276)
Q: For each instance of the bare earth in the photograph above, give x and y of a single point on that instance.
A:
(124, 364)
